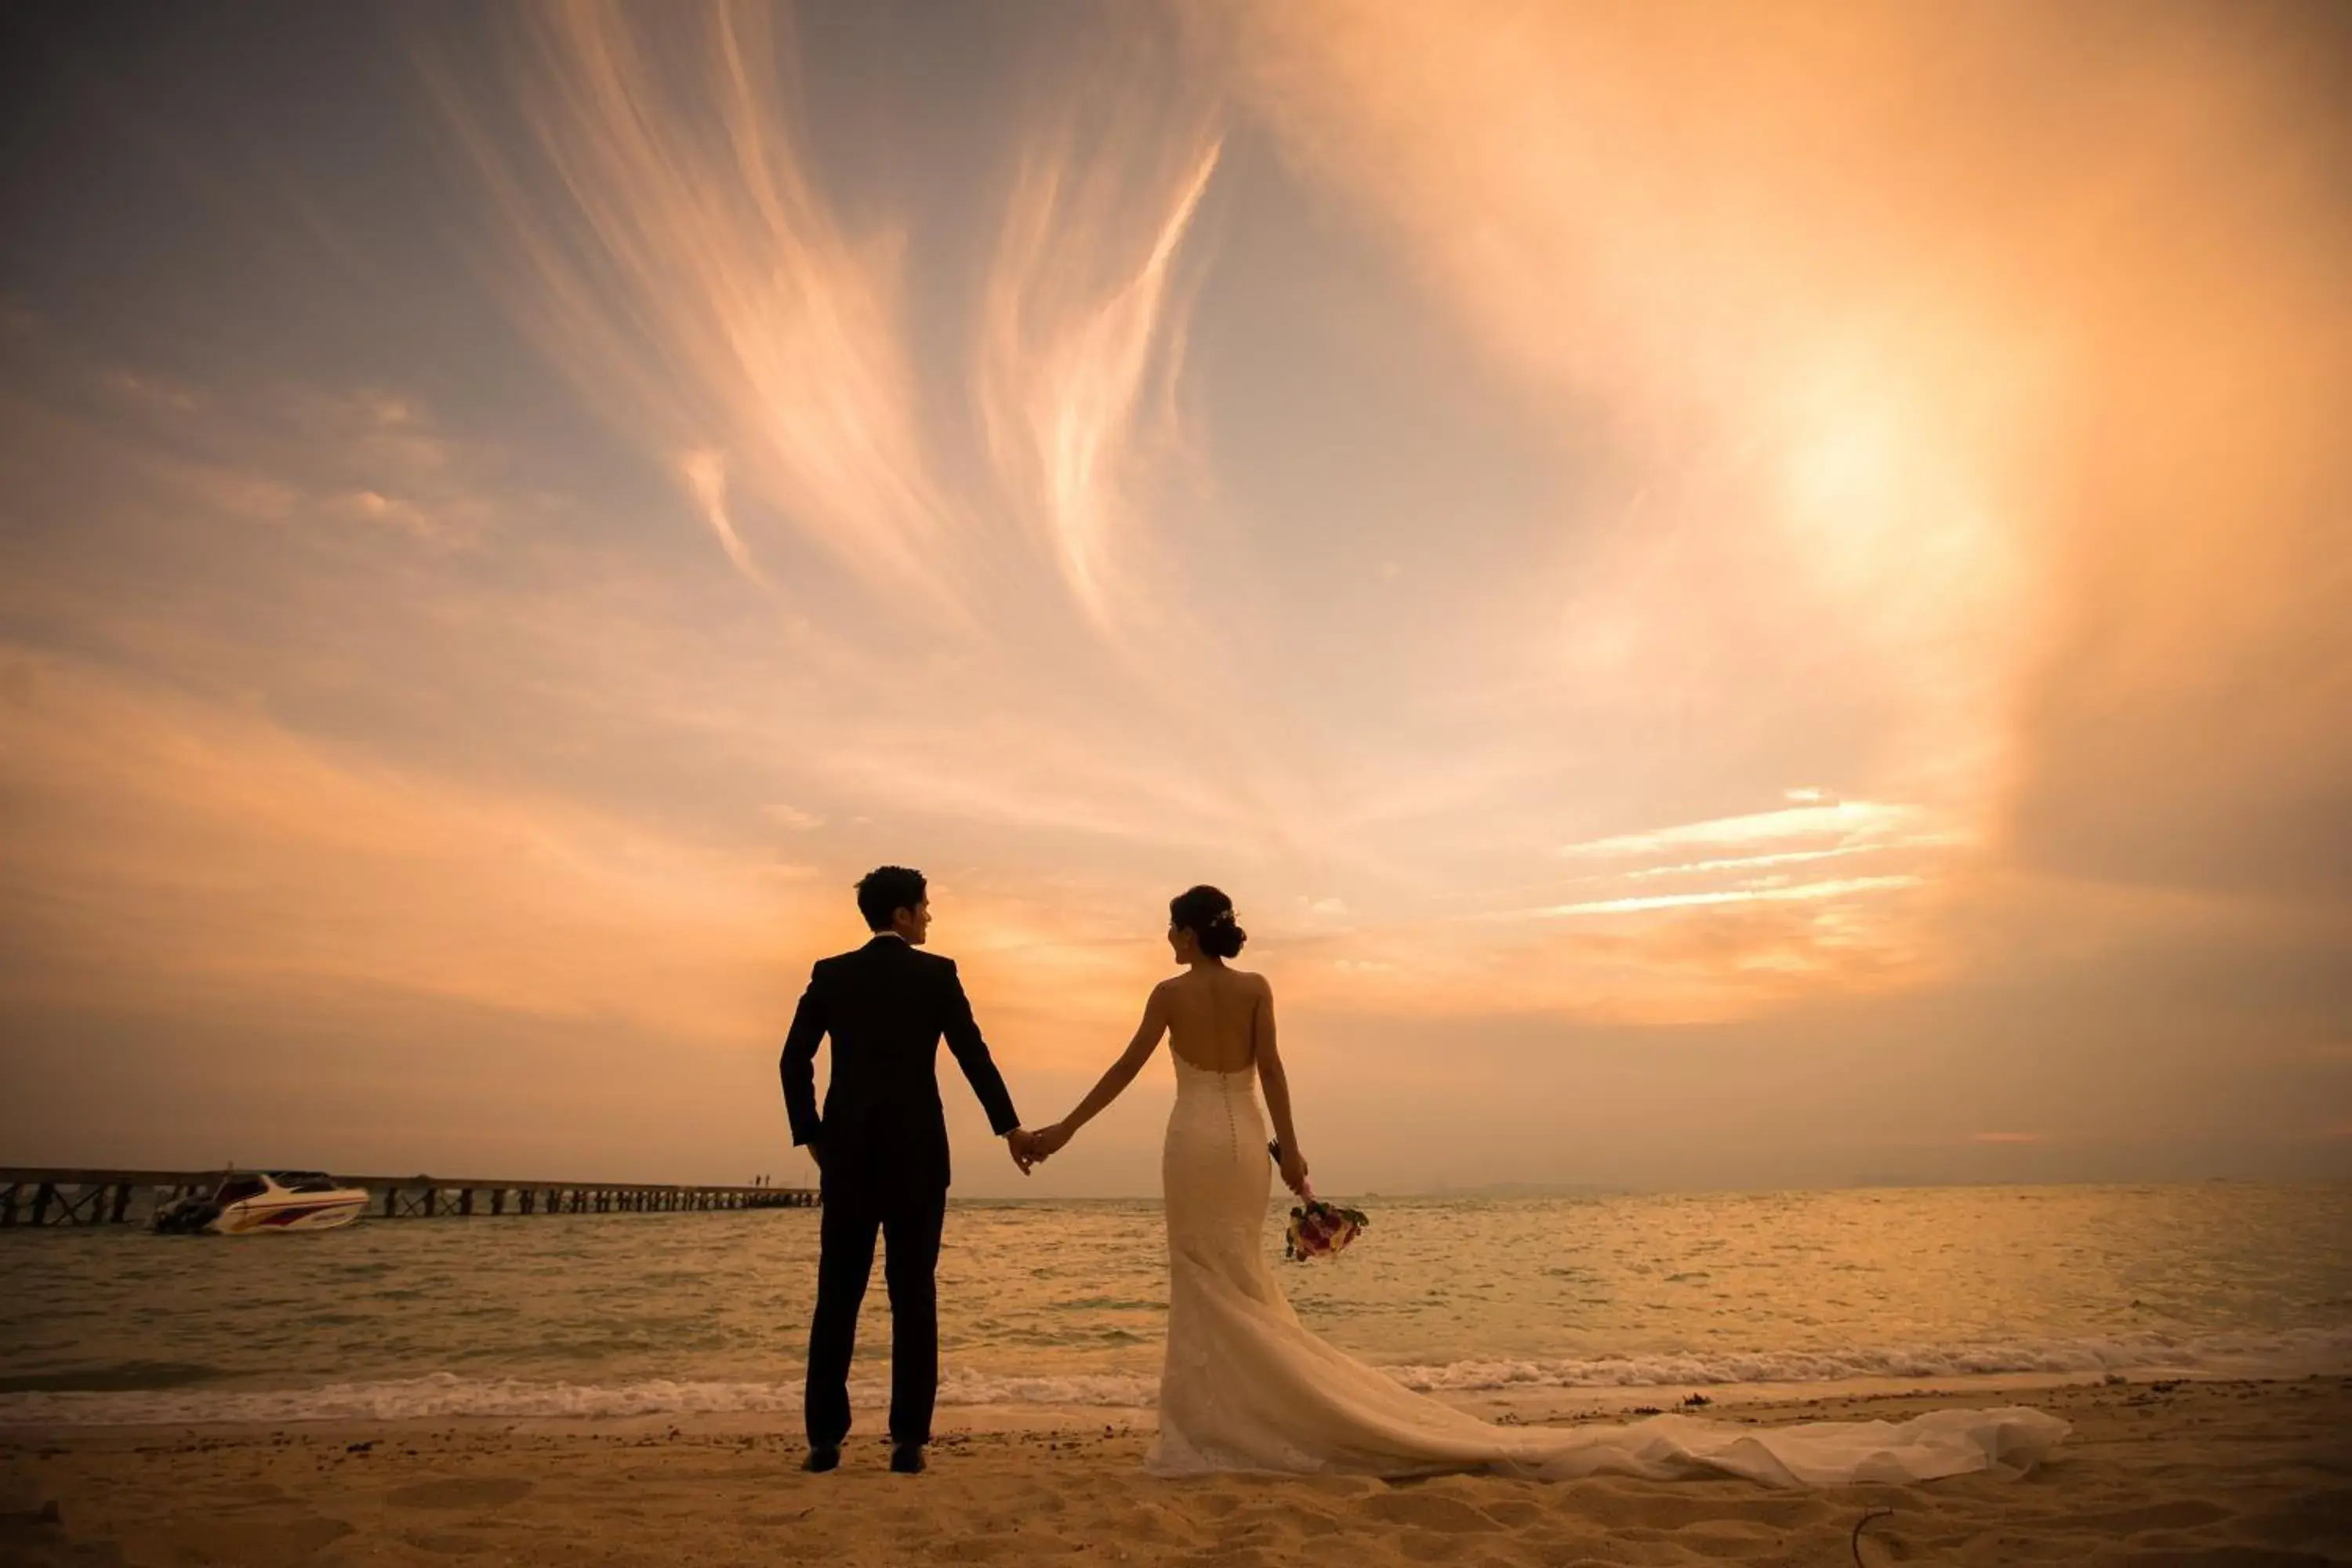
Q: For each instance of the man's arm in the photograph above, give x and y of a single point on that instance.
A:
(799, 1064)
(971, 1055)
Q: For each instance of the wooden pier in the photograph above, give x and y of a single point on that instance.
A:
(56, 1197)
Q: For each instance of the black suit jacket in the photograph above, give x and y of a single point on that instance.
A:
(886, 1006)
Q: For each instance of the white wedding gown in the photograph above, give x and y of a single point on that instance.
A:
(1245, 1387)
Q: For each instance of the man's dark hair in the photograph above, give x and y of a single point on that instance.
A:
(885, 890)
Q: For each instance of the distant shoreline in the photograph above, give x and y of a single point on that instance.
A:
(1597, 1190)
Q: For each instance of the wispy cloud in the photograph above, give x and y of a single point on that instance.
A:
(1849, 824)
(680, 258)
(1786, 857)
(792, 817)
(1835, 888)
(704, 474)
(681, 262)
(1077, 318)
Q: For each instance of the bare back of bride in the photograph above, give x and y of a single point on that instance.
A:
(1245, 1387)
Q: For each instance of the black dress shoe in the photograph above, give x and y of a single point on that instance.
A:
(822, 1457)
(907, 1458)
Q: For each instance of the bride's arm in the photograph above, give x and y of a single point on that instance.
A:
(1276, 1085)
(1115, 1078)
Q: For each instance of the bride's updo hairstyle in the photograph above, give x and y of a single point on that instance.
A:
(1208, 914)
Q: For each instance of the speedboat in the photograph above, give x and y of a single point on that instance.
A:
(247, 1201)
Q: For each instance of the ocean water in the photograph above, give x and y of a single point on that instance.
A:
(1063, 1303)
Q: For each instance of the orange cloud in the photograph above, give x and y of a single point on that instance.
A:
(1921, 402)
(178, 844)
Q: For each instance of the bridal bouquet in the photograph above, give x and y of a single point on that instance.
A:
(1319, 1229)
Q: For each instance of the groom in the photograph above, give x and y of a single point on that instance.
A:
(881, 1152)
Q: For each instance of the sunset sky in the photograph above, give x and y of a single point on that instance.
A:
(1740, 595)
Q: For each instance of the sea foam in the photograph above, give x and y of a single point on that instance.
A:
(447, 1396)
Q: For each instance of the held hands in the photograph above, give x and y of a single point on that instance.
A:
(1032, 1148)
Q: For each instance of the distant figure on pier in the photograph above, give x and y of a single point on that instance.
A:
(881, 1152)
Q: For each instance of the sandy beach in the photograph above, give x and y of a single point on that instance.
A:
(2211, 1474)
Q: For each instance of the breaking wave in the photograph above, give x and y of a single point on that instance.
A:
(446, 1396)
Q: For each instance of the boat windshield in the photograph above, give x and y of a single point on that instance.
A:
(304, 1181)
(237, 1189)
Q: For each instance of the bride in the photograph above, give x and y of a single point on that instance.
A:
(1245, 1387)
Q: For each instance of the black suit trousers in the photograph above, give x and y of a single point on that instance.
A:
(910, 1223)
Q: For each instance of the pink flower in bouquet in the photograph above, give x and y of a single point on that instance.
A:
(1319, 1229)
